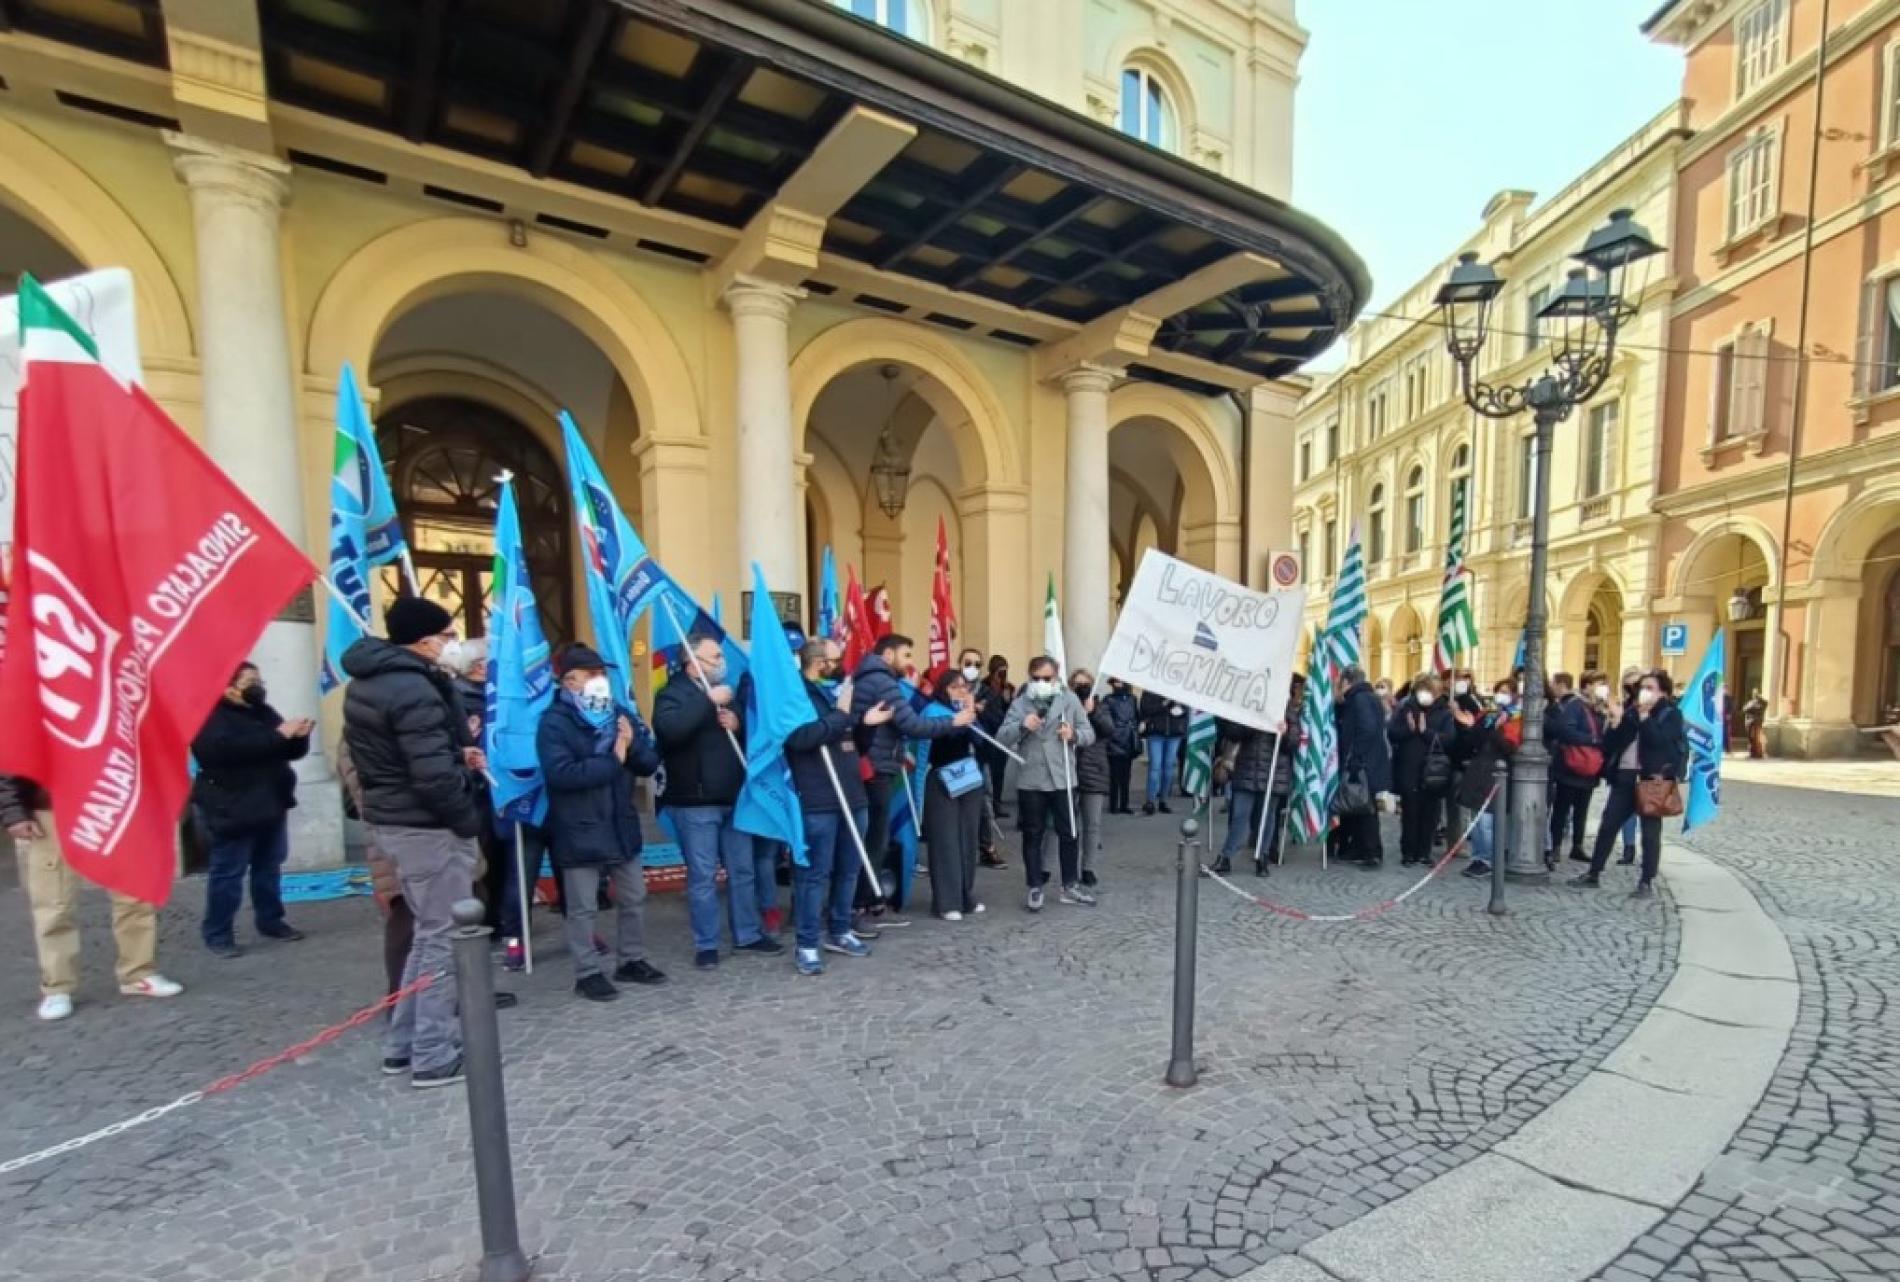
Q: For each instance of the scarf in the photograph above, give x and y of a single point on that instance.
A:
(603, 722)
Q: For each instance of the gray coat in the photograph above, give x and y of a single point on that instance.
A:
(1043, 769)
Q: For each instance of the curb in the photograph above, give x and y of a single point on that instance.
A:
(1575, 1186)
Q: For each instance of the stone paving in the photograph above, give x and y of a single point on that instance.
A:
(980, 1101)
(1810, 1187)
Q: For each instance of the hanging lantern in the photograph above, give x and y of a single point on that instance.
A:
(890, 470)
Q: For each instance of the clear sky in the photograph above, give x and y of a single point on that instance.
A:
(1411, 114)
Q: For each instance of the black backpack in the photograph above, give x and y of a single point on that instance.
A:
(1436, 776)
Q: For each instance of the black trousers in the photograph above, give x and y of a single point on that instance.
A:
(1120, 771)
(879, 790)
(1616, 812)
(1041, 811)
(953, 825)
(1359, 838)
(1418, 824)
(1569, 805)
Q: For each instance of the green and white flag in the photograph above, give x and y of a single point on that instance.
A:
(1052, 629)
(1457, 630)
(1198, 774)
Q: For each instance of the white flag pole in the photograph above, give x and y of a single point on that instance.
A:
(1266, 799)
(910, 795)
(844, 809)
(987, 737)
(692, 662)
(409, 571)
(1068, 782)
(336, 594)
(524, 899)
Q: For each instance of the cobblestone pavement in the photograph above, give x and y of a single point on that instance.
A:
(1810, 1187)
(976, 1101)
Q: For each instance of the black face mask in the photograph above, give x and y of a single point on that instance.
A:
(255, 695)
(1083, 691)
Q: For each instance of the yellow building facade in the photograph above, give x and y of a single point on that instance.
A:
(1381, 443)
(1033, 258)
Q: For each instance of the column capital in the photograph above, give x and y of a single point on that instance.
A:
(751, 296)
(232, 174)
(1087, 378)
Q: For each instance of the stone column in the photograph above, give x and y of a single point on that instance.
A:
(1085, 595)
(769, 518)
(250, 423)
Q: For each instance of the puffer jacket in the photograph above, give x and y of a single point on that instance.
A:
(883, 745)
(244, 781)
(1043, 752)
(1413, 731)
(1362, 741)
(407, 730)
(591, 820)
(21, 800)
(701, 767)
(1091, 760)
(1254, 764)
(1162, 717)
(1124, 724)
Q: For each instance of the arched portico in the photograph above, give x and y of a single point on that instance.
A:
(1145, 418)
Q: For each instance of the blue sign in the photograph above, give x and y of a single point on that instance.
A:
(1675, 640)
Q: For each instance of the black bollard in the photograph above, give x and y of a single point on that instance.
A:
(1500, 832)
(1187, 898)
(502, 1260)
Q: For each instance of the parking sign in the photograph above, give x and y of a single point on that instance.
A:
(1675, 640)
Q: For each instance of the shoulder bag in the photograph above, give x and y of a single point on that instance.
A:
(1658, 798)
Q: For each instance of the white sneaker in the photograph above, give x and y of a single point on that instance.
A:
(153, 985)
(953, 916)
(55, 1006)
(979, 909)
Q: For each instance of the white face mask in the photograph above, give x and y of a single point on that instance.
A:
(1505, 698)
(451, 656)
(1425, 698)
(971, 673)
(1647, 697)
(1461, 688)
(597, 693)
(1602, 691)
(1040, 689)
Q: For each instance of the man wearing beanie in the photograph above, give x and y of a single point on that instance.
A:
(420, 775)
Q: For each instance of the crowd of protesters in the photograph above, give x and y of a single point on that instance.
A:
(415, 776)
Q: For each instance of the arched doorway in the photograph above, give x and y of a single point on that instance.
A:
(445, 456)
(1731, 569)
(1405, 645)
(1887, 709)
(1175, 458)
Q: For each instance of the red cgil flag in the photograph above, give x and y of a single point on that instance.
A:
(858, 637)
(943, 613)
(141, 578)
(877, 612)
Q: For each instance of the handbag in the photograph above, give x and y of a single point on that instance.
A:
(961, 776)
(1658, 798)
(1436, 775)
(1225, 762)
(1353, 798)
(1585, 759)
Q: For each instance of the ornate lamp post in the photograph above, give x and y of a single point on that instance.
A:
(1582, 322)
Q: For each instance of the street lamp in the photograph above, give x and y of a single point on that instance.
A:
(1581, 323)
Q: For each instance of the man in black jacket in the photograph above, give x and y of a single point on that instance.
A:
(591, 751)
(697, 722)
(824, 748)
(244, 790)
(420, 776)
(1363, 750)
(875, 685)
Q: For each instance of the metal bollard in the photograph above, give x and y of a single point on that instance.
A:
(502, 1260)
(1500, 833)
(1187, 899)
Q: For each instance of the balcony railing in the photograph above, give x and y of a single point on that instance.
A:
(1594, 510)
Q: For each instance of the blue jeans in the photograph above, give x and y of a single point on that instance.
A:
(752, 887)
(1629, 833)
(826, 884)
(1162, 750)
(1240, 822)
(258, 855)
(708, 839)
(1481, 837)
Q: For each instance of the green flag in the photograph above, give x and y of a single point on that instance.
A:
(1052, 629)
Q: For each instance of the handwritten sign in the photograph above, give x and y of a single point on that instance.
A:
(1206, 641)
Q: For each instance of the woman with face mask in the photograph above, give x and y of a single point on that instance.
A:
(1422, 734)
(1495, 743)
(1124, 743)
(992, 706)
(1648, 742)
(591, 750)
(954, 795)
(244, 790)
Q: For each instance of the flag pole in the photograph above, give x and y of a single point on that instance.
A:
(991, 739)
(336, 594)
(910, 795)
(524, 898)
(409, 571)
(1068, 779)
(686, 644)
(844, 807)
(1266, 798)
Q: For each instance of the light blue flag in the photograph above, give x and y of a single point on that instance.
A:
(623, 581)
(1704, 705)
(768, 803)
(830, 612)
(520, 676)
(903, 818)
(364, 528)
(717, 610)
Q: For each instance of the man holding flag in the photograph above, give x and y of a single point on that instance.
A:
(141, 578)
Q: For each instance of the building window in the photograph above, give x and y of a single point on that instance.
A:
(1599, 442)
(1332, 440)
(1890, 96)
(1461, 482)
(1526, 477)
(1329, 548)
(1146, 111)
(1415, 510)
(1303, 459)
(1754, 180)
(1533, 327)
(1738, 394)
(1305, 545)
(1375, 413)
(905, 17)
(1877, 362)
(1375, 525)
(1761, 44)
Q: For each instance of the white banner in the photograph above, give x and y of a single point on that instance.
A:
(1207, 641)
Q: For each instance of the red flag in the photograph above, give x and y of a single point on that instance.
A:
(858, 639)
(877, 607)
(943, 613)
(141, 578)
